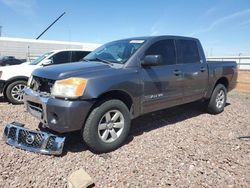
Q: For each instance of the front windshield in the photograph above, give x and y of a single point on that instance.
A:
(39, 59)
(115, 52)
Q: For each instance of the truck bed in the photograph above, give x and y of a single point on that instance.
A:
(226, 69)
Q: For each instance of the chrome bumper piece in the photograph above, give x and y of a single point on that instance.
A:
(36, 141)
(36, 105)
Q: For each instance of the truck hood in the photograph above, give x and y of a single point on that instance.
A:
(79, 69)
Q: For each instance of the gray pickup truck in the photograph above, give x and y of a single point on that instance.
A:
(122, 80)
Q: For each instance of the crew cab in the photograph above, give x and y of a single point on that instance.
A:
(122, 80)
(13, 79)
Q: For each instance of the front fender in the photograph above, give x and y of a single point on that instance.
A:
(127, 82)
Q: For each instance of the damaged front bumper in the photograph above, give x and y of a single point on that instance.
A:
(36, 141)
(59, 115)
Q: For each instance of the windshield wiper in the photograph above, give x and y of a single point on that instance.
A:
(98, 59)
(84, 59)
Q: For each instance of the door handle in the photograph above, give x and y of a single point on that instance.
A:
(177, 72)
(203, 69)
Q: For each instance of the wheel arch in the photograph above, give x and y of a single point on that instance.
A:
(120, 95)
(224, 81)
(13, 79)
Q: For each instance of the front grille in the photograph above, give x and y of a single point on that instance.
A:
(50, 144)
(38, 139)
(12, 133)
(35, 141)
(39, 84)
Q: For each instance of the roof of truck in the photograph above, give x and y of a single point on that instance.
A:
(62, 50)
(160, 36)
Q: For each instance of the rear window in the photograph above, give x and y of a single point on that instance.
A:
(187, 51)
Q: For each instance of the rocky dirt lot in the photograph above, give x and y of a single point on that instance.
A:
(178, 147)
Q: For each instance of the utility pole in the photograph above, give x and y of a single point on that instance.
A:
(239, 59)
(50, 25)
(1, 30)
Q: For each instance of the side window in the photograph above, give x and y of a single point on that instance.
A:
(61, 57)
(166, 49)
(187, 51)
(78, 55)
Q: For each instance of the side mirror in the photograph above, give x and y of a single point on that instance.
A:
(47, 62)
(151, 60)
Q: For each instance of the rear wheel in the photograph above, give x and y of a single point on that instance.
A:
(218, 100)
(107, 126)
(14, 92)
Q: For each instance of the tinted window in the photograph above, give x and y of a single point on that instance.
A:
(187, 51)
(116, 52)
(61, 57)
(78, 55)
(166, 49)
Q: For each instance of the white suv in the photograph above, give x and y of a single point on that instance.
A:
(13, 79)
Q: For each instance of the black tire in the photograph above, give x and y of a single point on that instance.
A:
(91, 133)
(8, 92)
(213, 106)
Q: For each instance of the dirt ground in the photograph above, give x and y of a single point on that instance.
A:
(177, 147)
(243, 81)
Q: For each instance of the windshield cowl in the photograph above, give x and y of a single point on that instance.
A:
(100, 60)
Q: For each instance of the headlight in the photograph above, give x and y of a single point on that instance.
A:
(69, 88)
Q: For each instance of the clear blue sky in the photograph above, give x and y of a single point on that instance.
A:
(223, 26)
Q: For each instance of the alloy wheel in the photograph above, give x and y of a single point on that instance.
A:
(111, 126)
(17, 92)
(220, 99)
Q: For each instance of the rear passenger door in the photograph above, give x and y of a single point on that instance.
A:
(195, 73)
(61, 57)
(162, 88)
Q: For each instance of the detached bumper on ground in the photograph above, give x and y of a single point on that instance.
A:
(36, 141)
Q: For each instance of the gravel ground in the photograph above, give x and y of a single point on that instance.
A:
(178, 147)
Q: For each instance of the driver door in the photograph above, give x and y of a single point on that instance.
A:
(162, 84)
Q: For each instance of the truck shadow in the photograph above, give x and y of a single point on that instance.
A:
(144, 124)
(165, 117)
(74, 143)
(73, 140)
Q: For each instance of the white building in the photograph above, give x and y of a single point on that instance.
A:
(242, 61)
(30, 49)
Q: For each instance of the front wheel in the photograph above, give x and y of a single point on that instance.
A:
(107, 126)
(14, 92)
(218, 100)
